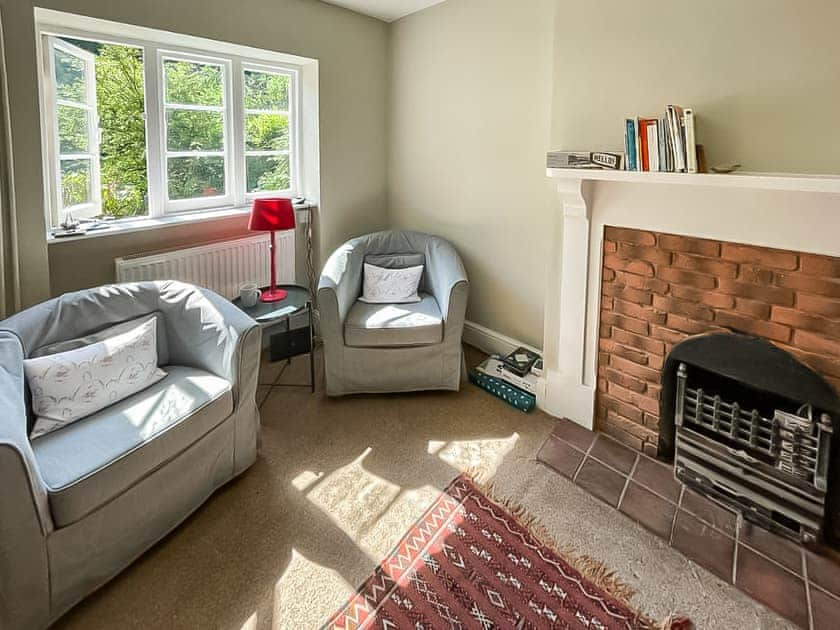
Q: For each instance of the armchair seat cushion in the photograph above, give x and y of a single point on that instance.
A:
(94, 460)
(394, 325)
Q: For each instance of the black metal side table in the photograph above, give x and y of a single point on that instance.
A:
(286, 342)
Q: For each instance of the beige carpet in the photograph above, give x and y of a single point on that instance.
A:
(338, 482)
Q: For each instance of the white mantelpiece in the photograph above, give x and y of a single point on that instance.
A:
(794, 212)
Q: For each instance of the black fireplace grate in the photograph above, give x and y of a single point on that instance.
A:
(773, 467)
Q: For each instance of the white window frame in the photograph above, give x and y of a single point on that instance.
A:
(94, 204)
(227, 153)
(154, 51)
(293, 151)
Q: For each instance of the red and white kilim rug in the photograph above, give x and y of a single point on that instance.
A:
(469, 563)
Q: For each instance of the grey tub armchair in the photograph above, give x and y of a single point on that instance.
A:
(371, 348)
(80, 504)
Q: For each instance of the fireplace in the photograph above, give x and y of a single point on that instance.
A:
(728, 356)
(689, 256)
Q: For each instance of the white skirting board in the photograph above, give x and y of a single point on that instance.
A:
(490, 341)
(493, 342)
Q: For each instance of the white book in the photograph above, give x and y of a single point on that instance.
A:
(675, 119)
(653, 148)
(494, 367)
(690, 143)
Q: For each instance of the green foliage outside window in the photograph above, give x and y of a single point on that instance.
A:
(121, 108)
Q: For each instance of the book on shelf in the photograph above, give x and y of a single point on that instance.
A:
(667, 144)
(630, 143)
(586, 160)
(690, 143)
(653, 146)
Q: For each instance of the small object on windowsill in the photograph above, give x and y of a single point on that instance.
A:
(65, 233)
(537, 368)
(299, 201)
(726, 168)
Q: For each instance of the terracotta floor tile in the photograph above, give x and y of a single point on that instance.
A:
(784, 551)
(560, 456)
(705, 545)
(574, 434)
(773, 586)
(825, 610)
(659, 477)
(608, 451)
(599, 480)
(709, 511)
(648, 509)
(824, 570)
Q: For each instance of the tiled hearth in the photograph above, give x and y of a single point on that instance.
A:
(797, 583)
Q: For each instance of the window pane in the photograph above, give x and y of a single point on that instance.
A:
(267, 172)
(69, 77)
(192, 83)
(191, 130)
(264, 90)
(192, 177)
(73, 129)
(266, 132)
(75, 182)
(120, 105)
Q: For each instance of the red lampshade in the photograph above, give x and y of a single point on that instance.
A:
(270, 214)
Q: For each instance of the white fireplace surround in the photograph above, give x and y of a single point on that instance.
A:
(793, 212)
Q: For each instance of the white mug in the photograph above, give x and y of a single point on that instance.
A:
(249, 294)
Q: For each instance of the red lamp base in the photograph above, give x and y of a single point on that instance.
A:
(273, 295)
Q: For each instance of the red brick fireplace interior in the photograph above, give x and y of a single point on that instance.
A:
(659, 289)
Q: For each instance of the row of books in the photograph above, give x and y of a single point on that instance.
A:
(665, 144)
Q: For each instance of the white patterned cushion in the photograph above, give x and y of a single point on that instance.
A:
(71, 385)
(391, 286)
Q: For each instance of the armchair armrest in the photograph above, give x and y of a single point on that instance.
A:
(25, 518)
(447, 280)
(208, 332)
(338, 289)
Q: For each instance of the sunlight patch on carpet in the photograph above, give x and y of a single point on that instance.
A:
(306, 585)
(477, 455)
(306, 479)
(250, 623)
(353, 497)
(403, 512)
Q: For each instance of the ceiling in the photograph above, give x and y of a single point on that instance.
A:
(386, 10)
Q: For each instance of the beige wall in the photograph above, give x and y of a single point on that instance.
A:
(479, 91)
(470, 126)
(762, 75)
(352, 54)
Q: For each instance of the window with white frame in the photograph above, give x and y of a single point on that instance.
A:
(137, 129)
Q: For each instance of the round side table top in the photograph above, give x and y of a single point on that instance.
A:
(269, 312)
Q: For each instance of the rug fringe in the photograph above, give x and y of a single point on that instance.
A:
(592, 569)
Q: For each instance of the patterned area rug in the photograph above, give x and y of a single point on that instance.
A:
(472, 562)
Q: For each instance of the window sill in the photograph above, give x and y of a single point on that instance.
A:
(126, 226)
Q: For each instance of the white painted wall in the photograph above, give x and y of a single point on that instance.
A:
(478, 87)
(470, 97)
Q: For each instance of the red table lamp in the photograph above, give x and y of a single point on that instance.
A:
(271, 215)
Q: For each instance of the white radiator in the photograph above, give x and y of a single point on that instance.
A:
(221, 267)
